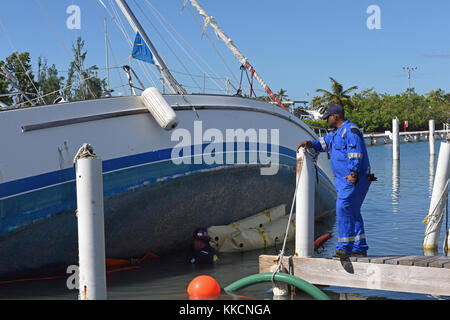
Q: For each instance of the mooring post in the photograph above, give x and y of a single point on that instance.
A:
(304, 230)
(431, 136)
(395, 139)
(438, 200)
(91, 231)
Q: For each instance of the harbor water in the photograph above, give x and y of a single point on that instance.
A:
(393, 213)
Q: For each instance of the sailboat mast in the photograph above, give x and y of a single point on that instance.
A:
(237, 54)
(174, 86)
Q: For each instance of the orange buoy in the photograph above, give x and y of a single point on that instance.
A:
(203, 288)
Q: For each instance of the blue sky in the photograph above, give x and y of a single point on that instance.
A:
(293, 44)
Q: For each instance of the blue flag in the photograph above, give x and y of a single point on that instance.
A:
(141, 51)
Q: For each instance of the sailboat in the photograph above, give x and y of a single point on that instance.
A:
(219, 159)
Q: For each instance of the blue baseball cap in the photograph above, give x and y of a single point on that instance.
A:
(334, 109)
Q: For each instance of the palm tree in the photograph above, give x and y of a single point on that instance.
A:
(282, 94)
(437, 95)
(337, 95)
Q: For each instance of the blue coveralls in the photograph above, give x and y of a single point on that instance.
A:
(348, 153)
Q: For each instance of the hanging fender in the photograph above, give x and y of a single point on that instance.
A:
(160, 109)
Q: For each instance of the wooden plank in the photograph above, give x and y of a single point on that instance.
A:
(439, 262)
(447, 265)
(394, 260)
(346, 273)
(403, 260)
(424, 262)
(383, 259)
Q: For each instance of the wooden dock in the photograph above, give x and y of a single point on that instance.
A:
(412, 274)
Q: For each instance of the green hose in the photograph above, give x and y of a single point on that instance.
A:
(303, 285)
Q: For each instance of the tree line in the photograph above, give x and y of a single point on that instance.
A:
(373, 112)
(81, 82)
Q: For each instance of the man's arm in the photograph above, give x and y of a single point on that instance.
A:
(319, 145)
(355, 152)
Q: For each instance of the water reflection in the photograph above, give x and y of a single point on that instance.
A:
(395, 185)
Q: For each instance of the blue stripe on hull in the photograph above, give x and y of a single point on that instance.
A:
(57, 177)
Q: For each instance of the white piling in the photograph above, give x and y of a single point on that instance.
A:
(438, 200)
(304, 231)
(91, 234)
(431, 136)
(395, 139)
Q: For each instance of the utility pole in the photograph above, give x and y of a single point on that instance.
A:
(408, 69)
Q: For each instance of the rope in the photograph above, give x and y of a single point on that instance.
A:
(212, 44)
(438, 204)
(281, 255)
(160, 17)
(166, 43)
(119, 24)
(64, 46)
(110, 47)
(18, 59)
(446, 228)
(63, 89)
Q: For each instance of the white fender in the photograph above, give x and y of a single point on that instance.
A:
(160, 109)
(219, 234)
(259, 238)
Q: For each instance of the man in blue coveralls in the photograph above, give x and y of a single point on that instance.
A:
(351, 167)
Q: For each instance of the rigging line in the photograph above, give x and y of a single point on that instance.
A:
(117, 65)
(214, 46)
(63, 89)
(188, 44)
(63, 44)
(158, 15)
(206, 88)
(18, 58)
(110, 47)
(121, 26)
(166, 43)
(197, 75)
(251, 87)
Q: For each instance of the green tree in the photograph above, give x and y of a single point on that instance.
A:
(49, 82)
(19, 65)
(84, 82)
(337, 95)
(4, 88)
(316, 102)
(282, 95)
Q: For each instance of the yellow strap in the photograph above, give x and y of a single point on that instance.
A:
(234, 226)
(261, 233)
(267, 213)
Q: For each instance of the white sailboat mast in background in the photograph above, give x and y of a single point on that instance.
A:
(238, 55)
(174, 86)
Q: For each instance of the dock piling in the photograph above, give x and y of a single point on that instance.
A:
(304, 231)
(91, 233)
(395, 139)
(431, 136)
(438, 200)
